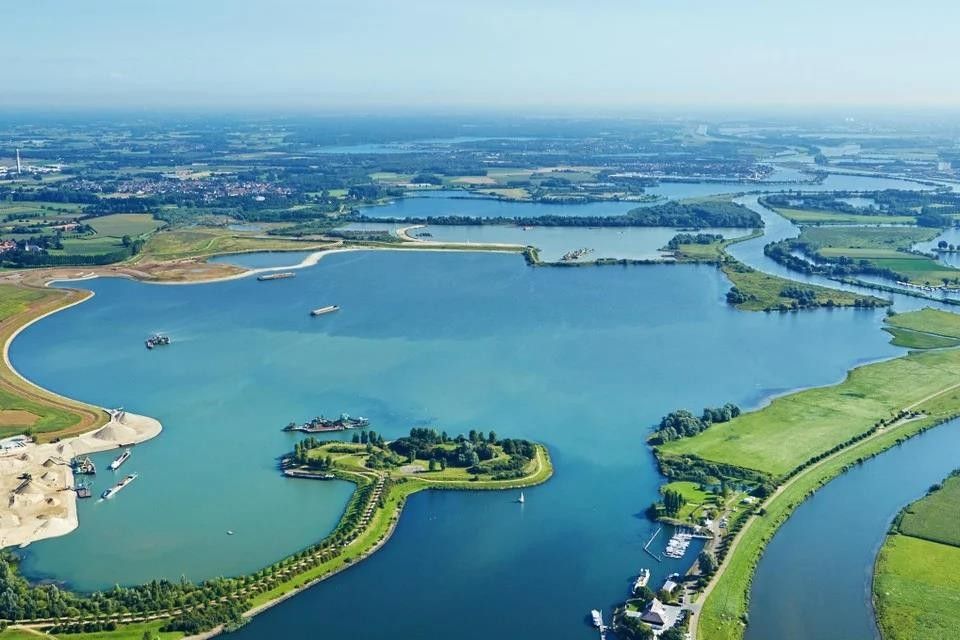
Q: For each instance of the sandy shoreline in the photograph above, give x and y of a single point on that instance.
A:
(46, 506)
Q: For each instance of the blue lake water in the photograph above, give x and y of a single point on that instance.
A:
(425, 204)
(584, 360)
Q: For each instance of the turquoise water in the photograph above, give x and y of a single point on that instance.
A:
(584, 360)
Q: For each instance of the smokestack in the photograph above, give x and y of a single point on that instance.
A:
(18, 161)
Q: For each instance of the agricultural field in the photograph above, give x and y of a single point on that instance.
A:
(916, 584)
(883, 247)
(936, 517)
(125, 224)
(792, 429)
(817, 216)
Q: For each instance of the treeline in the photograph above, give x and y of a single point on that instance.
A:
(690, 238)
(706, 214)
(683, 424)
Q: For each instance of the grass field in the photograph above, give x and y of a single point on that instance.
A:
(202, 242)
(917, 590)
(25, 408)
(126, 632)
(125, 224)
(794, 428)
(925, 329)
(816, 216)
(936, 517)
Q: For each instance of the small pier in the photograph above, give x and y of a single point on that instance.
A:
(646, 547)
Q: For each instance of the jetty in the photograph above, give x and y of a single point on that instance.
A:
(276, 276)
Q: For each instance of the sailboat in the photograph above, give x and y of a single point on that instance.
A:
(520, 499)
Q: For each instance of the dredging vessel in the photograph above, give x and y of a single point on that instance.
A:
(119, 460)
(276, 276)
(320, 424)
(157, 340)
(112, 491)
(330, 308)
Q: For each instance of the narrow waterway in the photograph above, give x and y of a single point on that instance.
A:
(814, 581)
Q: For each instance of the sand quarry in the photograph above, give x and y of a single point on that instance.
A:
(46, 505)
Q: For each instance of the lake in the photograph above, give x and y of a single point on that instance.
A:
(584, 360)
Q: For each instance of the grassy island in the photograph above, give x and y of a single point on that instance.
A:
(916, 586)
(798, 443)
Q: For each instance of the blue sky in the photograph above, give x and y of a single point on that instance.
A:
(435, 54)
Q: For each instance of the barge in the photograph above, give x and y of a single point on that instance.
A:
(112, 491)
(276, 276)
(330, 308)
(119, 460)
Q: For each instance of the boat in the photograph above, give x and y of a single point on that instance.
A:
(276, 276)
(642, 579)
(521, 499)
(157, 340)
(119, 460)
(320, 424)
(112, 491)
(325, 310)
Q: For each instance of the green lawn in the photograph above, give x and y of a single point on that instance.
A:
(124, 224)
(794, 428)
(936, 517)
(916, 590)
(816, 216)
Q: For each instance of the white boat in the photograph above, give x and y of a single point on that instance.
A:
(642, 579)
(330, 308)
(119, 460)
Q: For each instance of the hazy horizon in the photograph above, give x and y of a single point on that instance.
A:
(371, 55)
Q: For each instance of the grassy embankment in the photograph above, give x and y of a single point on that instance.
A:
(803, 440)
(925, 329)
(916, 582)
(758, 291)
(23, 407)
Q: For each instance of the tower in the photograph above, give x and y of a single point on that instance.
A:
(18, 161)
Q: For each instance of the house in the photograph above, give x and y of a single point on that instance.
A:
(655, 614)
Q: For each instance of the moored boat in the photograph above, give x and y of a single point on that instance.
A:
(112, 491)
(119, 460)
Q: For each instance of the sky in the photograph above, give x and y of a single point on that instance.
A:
(498, 54)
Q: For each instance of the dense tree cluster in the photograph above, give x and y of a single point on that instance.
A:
(683, 424)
